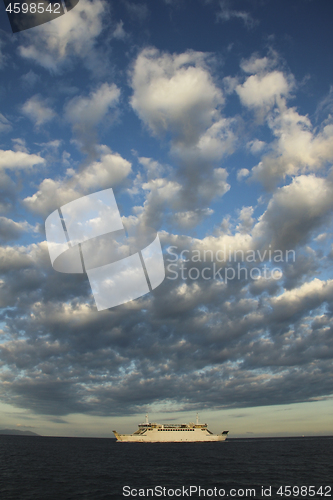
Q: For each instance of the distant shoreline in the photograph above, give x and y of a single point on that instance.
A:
(16, 432)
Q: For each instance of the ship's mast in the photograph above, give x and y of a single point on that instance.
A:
(147, 419)
(197, 419)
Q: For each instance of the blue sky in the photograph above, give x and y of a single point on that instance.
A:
(212, 122)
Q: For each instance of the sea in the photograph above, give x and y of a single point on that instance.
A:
(55, 468)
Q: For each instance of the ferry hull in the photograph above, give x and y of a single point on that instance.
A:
(169, 437)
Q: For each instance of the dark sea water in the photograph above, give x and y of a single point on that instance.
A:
(46, 468)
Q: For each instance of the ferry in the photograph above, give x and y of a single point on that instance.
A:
(171, 433)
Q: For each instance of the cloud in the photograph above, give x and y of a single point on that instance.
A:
(37, 109)
(138, 11)
(89, 111)
(168, 199)
(109, 171)
(257, 64)
(86, 113)
(264, 91)
(30, 78)
(295, 211)
(11, 230)
(175, 94)
(246, 221)
(192, 218)
(2, 56)
(15, 258)
(152, 168)
(214, 186)
(51, 195)
(272, 338)
(298, 148)
(20, 145)
(160, 193)
(242, 173)
(226, 14)
(255, 146)
(119, 31)
(26, 273)
(52, 45)
(13, 162)
(308, 296)
(17, 160)
(237, 366)
(218, 141)
(325, 106)
(266, 87)
(5, 125)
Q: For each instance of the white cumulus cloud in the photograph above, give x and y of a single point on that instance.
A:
(175, 93)
(17, 160)
(36, 108)
(74, 34)
(89, 111)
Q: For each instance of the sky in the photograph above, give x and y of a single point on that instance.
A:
(211, 120)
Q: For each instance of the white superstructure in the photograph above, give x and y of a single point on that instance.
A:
(174, 433)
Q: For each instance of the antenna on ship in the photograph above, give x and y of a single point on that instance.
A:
(147, 419)
(197, 418)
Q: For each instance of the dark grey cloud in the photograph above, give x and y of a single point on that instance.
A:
(198, 344)
(11, 230)
(137, 11)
